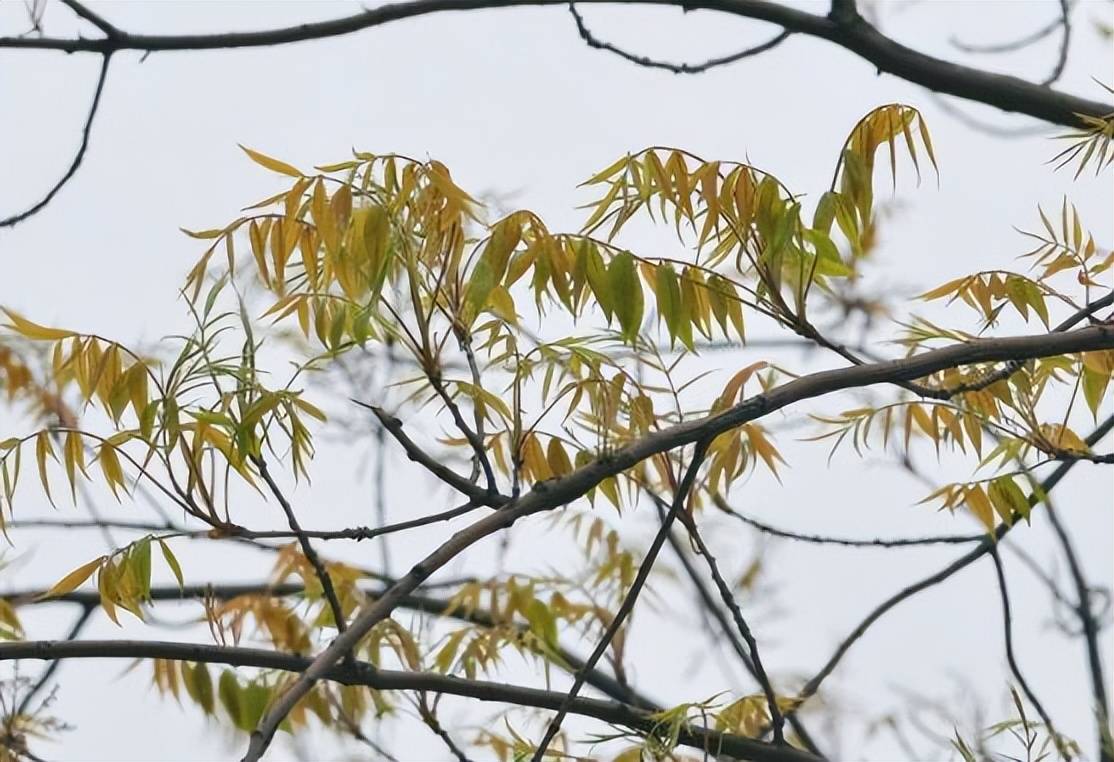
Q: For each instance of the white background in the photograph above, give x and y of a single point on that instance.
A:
(518, 107)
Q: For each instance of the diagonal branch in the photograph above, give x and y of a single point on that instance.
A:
(82, 11)
(712, 606)
(306, 546)
(625, 608)
(478, 495)
(777, 721)
(19, 217)
(547, 495)
(1011, 657)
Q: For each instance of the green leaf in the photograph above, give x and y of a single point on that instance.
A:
(172, 562)
(229, 691)
(626, 293)
(668, 292)
(140, 563)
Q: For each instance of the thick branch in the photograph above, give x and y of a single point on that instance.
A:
(846, 29)
(362, 673)
(551, 494)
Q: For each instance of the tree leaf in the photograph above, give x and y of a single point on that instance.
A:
(272, 164)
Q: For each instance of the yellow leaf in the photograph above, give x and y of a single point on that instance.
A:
(272, 164)
(73, 580)
(25, 327)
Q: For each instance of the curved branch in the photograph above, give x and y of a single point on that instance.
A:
(362, 673)
(845, 28)
(15, 219)
(683, 68)
(816, 539)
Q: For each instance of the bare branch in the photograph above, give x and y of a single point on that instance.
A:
(683, 68)
(93, 18)
(712, 607)
(777, 721)
(15, 219)
(479, 495)
(816, 539)
(1011, 657)
(988, 543)
(1090, 629)
(684, 489)
(307, 548)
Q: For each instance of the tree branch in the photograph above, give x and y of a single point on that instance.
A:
(307, 547)
(684, 489)
(984, 547)
(479, 495)
(1089, 628)
(816, 539)
(683, 68)
(15, 219)
(777, 721)
(362, 673)
(423, 604)
(849, 31)
(712, 606)
(550, 494)
(1011, 657)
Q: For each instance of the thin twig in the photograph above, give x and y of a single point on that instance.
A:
(777, 720)
(713, 608)
(959, 564)
(816, 539)
(1011, 657)
(307, 547)
(15, 219)
(78, 625)
(430, 719)
(627, 605)
(1090, 629)
(682, 68)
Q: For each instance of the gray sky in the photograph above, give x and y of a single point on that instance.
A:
(516, 105)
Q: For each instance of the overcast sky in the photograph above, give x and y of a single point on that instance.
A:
(519, 108)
